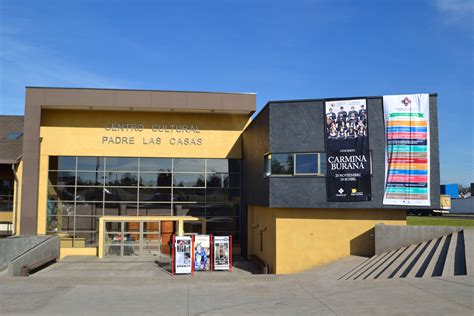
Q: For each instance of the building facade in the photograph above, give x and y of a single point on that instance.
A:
(191, 162)
(286, 212)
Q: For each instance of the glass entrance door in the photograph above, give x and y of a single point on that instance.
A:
(128, 239)
(151, 242)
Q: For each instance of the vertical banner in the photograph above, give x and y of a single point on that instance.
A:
(222, 253)
(407, 153)
(183, 252)
(347, 151)
(202, 251)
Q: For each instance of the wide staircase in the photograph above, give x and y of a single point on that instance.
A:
(449, 255)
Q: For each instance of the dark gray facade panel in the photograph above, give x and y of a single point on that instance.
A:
(299, 127)
(296, 127)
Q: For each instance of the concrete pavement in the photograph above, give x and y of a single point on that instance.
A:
(86, 286)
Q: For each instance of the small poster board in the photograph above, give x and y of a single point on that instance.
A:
(222, 253)
(445, 202)
(202, 253)
(182, 250)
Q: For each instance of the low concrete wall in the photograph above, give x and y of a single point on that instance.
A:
(390, 237)
(46, 250)
(12, 247)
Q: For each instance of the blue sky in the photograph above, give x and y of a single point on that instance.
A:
(279, 50)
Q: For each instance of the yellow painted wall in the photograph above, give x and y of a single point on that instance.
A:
(309, 237)
(80, 133)
(63, 252)
(6, 217)
(262, 219)
(66, 132)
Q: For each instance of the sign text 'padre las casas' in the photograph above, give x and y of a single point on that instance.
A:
(155, 128)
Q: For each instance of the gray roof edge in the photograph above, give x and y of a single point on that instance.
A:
(144, 90)
(434, 94)
(9, 161)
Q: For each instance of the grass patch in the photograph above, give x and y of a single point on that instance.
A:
(438, 221)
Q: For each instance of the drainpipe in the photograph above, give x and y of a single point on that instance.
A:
(15, 203)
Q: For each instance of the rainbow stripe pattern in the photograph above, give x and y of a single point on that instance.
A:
(407, 150)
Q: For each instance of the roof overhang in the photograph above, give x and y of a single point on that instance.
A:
(141, 100)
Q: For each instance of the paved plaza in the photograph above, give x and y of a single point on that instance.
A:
(82, 285)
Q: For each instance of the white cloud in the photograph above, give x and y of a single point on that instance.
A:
(457, 11)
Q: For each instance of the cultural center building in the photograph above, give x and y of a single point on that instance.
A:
(93, 164)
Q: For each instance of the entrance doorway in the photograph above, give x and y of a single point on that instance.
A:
(133, 239)
(142, 236)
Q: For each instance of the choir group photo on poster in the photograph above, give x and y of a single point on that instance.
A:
(346, 121)
(347, 151)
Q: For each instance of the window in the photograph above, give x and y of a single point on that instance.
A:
(14, 135)
(155, 164)
(282, 164)
(122, 164)
(291, 164)
(6, 195)
(306, 163)
(81, 189)
(90, 163)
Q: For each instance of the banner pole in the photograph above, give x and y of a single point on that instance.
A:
(211, 258)
(230, 252)
(172, 256)
(192, 255)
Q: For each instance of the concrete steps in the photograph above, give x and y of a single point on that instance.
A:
(448, 255)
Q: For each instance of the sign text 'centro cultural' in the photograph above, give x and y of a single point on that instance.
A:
(347, 149)
(173, 134)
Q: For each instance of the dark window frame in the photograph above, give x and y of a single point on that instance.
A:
(268, 169)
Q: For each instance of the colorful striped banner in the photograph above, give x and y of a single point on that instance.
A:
(409, 172)
(402, 135)
(406, 115)
(407, 198)
(407, 163)
(406, 179)
(407, 160)
(409, 166)
(407, 123)
(407, 190)
(406, 148)
(404, 129)
(408, 155)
